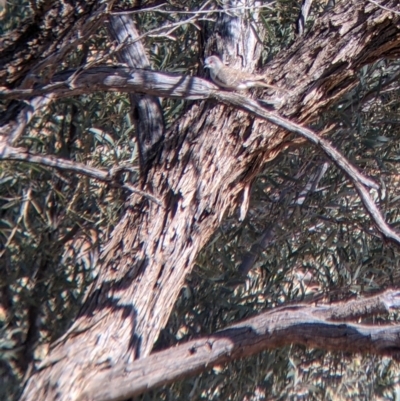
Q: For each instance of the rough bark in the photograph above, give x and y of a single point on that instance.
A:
(199, 178)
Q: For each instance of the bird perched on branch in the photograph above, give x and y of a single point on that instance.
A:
(230, 78)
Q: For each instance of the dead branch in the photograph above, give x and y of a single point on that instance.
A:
(172, 85)
(121, 79)
(22, 155)
(321, 326)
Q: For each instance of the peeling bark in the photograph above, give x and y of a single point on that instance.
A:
(205, 162)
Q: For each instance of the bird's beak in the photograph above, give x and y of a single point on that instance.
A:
(206, 65)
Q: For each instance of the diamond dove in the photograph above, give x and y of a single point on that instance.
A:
(230, 78)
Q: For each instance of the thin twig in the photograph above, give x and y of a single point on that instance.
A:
(214, 11)
(19, 154)
(384, 8)
(358, 180)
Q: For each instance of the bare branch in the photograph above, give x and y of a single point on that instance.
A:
(146, 111)
(19, 154)
(169, 28)
(303, 15)
(198, 12)
(178, 86)
(384, 8)
(123, 79)
(313, 326)
(268, 237)
(16, 127)
(359, 181)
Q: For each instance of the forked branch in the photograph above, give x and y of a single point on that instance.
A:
(172, 85)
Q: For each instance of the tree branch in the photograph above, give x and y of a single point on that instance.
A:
(173, 85)
(121, 79)
(146, 112)
(19, 154)
(359, 181)
(320, 326)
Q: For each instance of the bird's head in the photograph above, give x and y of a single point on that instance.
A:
(212, 62)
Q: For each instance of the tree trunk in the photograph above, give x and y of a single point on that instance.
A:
(206, 162)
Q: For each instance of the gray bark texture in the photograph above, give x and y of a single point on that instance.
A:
(322, 326)
(201, 169)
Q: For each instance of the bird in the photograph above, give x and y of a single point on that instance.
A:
(231, 78)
